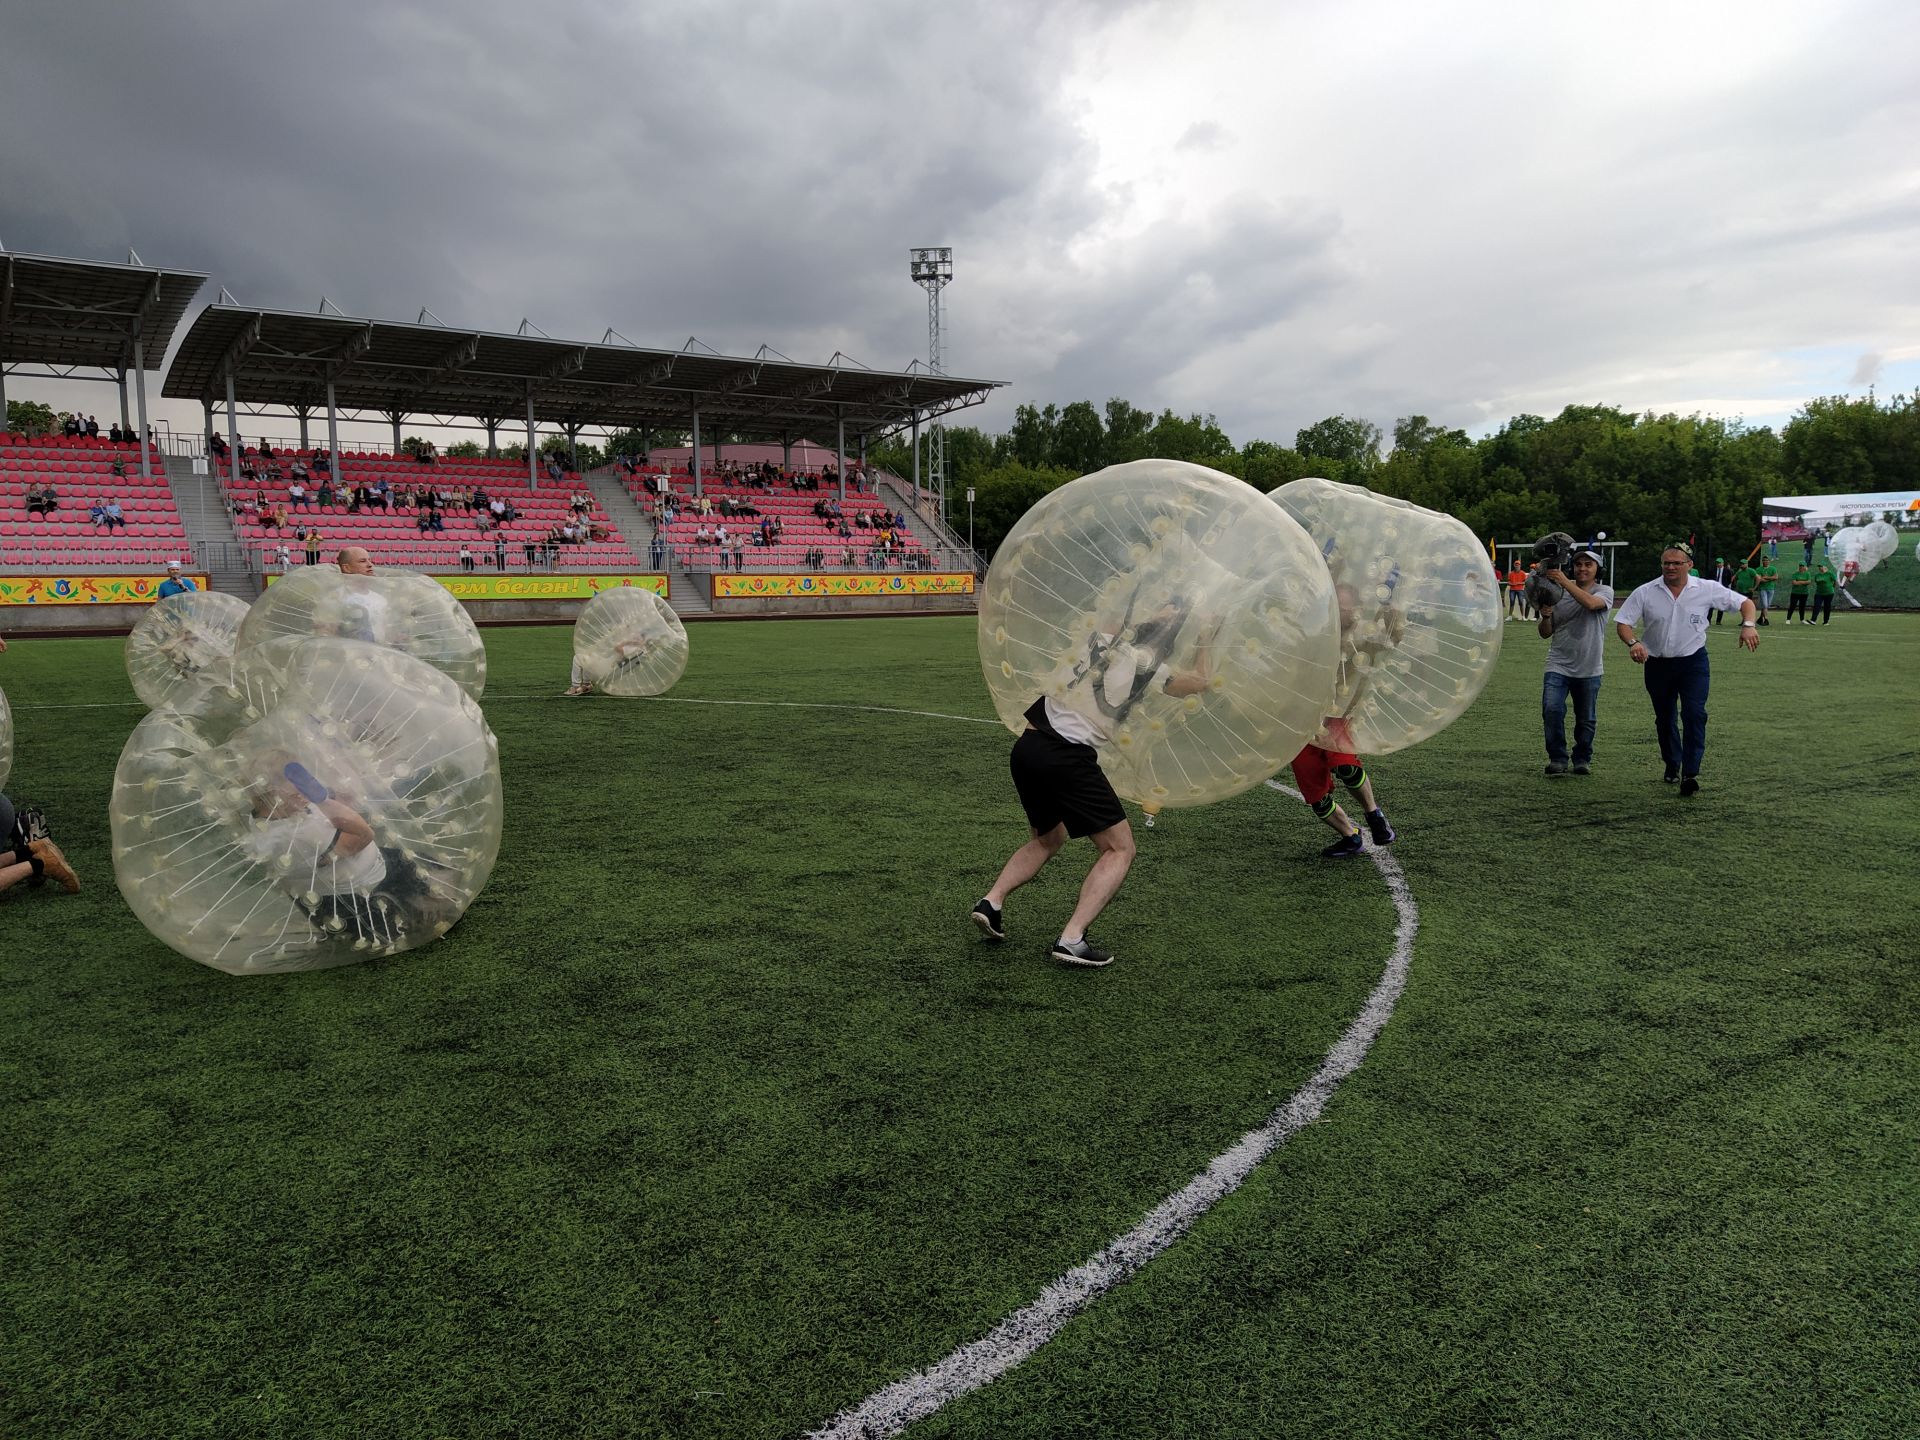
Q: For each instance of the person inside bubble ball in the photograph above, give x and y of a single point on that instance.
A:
(328, 855)
(625, 653)
(1315, 768)
(1056, 768)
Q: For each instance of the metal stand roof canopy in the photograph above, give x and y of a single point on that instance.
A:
(60, 317)
(292, 359)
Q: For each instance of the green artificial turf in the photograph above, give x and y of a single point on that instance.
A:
(715, 1114)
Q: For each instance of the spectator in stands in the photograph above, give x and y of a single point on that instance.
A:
(112, 512)
(297, 493)
(499, 551)
(275, 519)
(116, 434)
(657, 552)
(119, 468)
(739, 555)
(266, 450)
(93, 428)
(720, 539)
(36, 500)
(96, 515)
(422, 521)
(466, 558)
(284, 556)
(248, 470)
(176, 583)
(326, 496)
(323, 461)
(426, 454)
(217, 444)
(70, 427)
(383, 493)
(860, 518)
(313, 544)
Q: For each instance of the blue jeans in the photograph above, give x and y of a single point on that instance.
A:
(1683, 682)
(1585, 691)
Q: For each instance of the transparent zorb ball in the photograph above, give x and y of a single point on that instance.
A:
(1172, 614)
(344, 803)
(1878, 541)
(628, 642)
(6, 739)
(182, 643)
(401, 610)
(1420, 616)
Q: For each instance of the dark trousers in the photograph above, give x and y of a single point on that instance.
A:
(1797, 605)
(1822, 605)
(1584, 691)
(1681, 682)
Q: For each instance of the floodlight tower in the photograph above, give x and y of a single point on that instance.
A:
(932, 271)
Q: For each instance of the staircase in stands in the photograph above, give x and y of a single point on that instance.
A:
(947, 544)
(203, 511)
(685, 593)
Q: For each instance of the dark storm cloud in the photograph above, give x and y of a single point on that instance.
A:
(748, 173)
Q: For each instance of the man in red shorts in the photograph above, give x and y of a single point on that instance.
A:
(1314, 771)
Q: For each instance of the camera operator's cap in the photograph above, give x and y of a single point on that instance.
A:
(1593, 555)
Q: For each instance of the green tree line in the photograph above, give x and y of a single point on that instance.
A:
(1646, 479)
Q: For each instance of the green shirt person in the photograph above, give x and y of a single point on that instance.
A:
(1745, 579)
(1802, 582)
(1768, 576)
(1823, 579)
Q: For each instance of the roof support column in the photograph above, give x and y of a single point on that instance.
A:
(786, 453)
(719, 448)
(493, 442)
(696, 451)
(125, 423)
(533, 455)
(206, 433)
(233, 432)
(863, 459)
(396, 416)
(140, 394)
(333, 435)
(916, 457)
(840, 451)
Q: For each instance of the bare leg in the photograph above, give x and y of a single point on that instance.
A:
(1026, 863)
(1115, 844)
(11, 875)
(1342, 826)
(1365, 791)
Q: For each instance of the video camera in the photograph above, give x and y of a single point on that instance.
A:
(1550, 552)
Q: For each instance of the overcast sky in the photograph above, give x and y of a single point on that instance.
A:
(1273, 211)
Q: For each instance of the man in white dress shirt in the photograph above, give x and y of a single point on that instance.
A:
(1673, 613)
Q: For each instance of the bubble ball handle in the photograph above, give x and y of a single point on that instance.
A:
(302, 780)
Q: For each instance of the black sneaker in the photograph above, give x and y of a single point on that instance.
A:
(1082, 952)
(987, 916)
(1690, 785)
(1583, 769)
(1556, 767)
(1673, 775)
(1378, 827)
(1340, 849)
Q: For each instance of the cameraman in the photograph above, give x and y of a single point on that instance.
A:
(1576, 626)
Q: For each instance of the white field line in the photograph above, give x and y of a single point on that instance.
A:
(890, 1410)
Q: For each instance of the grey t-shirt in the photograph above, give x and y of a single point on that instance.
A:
(1579, 643)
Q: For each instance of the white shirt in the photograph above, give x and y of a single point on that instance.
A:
(1090, 726)
(1675, 626)
(304, 850)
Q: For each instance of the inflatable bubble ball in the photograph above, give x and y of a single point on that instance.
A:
(6, 739)
(399, 609)
(345, 804)
(1878, 541)
(183, 642)
(1171, 617)
(1420, 616)
(628, 642)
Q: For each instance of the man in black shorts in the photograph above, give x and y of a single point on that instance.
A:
(1056, 770)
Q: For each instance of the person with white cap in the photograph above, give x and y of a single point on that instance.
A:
(1575, 625)
(176, 583)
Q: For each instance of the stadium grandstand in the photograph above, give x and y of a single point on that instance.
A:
(83, 499)
(777, 459)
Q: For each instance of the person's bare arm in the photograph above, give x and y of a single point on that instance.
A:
(355, 833)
